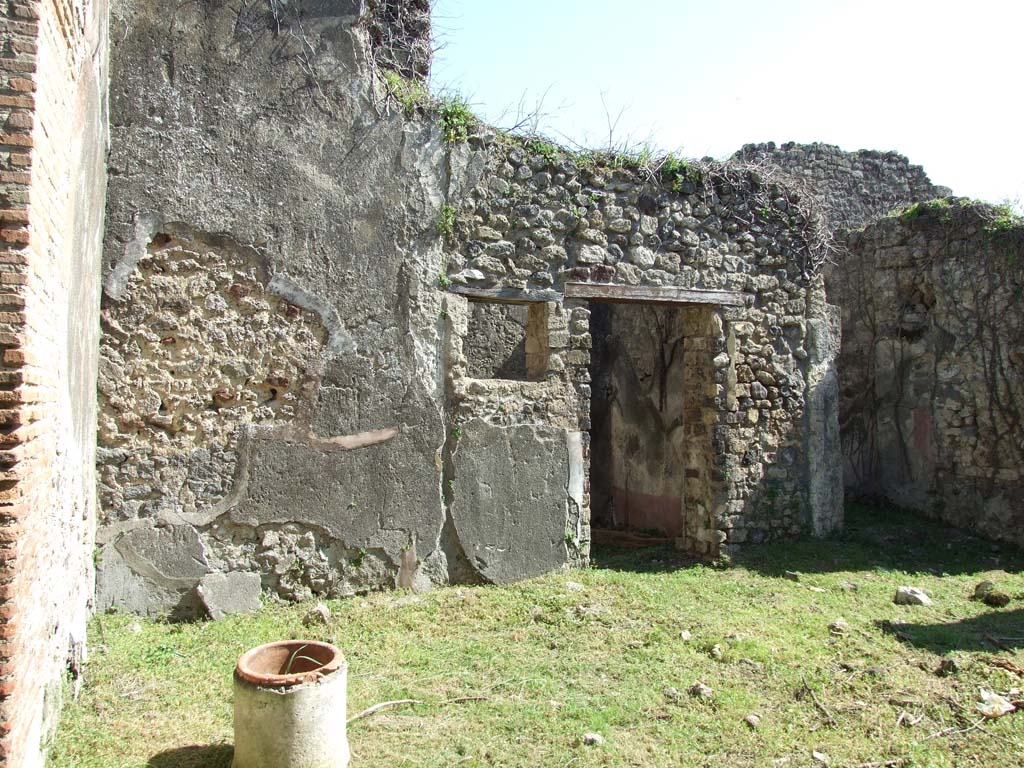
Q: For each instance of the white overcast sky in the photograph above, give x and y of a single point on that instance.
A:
(941, 82)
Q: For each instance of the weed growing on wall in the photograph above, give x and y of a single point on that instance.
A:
(1005, 229)
(941, 208)
(1004, 220)
(359, 557)
(545, 149)
(456, 118)
(409, 94)
(1000, 223)
(446, 220)
(677, 171)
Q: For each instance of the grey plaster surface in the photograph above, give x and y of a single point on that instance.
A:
(824, 449)
(152, 570)
(225, 594)
(371, 497)
(222, 123)
(511, 489)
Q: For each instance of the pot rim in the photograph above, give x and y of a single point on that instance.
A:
(244, 668)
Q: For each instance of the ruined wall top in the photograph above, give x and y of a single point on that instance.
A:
(853, 188)
(400, 36)
(933, 389)
(545, 215)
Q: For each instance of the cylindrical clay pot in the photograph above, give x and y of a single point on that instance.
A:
(290, 706)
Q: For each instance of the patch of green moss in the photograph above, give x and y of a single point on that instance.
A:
(941, 207)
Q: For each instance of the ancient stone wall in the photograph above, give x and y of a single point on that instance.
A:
(53, 94)
(928, 414)
(272, 383)
(853, 188)
(542, 220)
(306, 375)
(932, 367)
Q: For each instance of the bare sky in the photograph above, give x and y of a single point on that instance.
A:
(936, 80)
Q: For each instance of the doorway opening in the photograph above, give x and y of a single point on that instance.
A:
(650, 457)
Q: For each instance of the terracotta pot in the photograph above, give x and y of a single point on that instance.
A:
(290, 706)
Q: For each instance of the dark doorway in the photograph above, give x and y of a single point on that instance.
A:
(638, 451)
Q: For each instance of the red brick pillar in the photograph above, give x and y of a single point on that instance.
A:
(53, 138)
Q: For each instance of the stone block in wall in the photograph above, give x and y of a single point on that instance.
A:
(512, 498)
(495, 344)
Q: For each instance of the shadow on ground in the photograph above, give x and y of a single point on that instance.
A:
(873, 537)
(655, 559)
(996, 631)
(196, 756)
(885, 538)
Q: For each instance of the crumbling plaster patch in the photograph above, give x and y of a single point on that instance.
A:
(200, 349)
(208, 385)
(496, 341)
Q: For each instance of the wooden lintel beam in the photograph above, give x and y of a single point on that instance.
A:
(656, 294)
(506, 295)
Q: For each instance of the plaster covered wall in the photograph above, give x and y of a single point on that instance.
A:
(932, 369)
(272, 381)
(279, 356)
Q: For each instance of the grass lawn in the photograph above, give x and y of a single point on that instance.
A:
(515, 676)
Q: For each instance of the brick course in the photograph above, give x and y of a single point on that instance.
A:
(52, 182)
